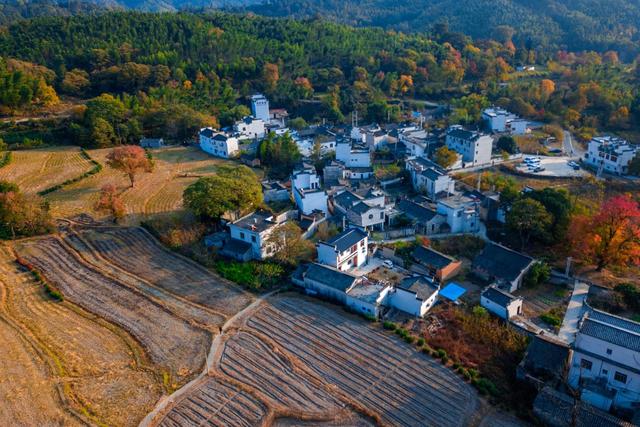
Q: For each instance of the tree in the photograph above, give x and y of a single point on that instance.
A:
(289, 245)
(528, 217)
(610, 236)
(508, 144)
(547, 87)
(445, 157)
(539, 273)
(634, 165)
(111, 202)
(102, 133)
(233, 189)
(22, 216)
(76, 82)
(558, 203)
(129, 159)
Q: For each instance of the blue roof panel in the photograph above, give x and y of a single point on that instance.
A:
(452, 291)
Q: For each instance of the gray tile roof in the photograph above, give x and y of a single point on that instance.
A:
(416, 211)
(501, 262)
(346, 239)
(430, 257)
(361, 208)
(208, 132)
(610, 333)
(498, 296)
(346, 199)
(329, 276)
(546, 357)
(617, 321)
(419, 285)
(258, 221)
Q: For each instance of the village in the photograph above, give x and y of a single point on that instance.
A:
(381, 260)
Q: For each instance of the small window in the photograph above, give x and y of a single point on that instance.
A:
(381, 215)
(242, 235)
(609, 351)
(586, 364)
(605, 372)
(370, 216)
(622, 378)
(253, 239)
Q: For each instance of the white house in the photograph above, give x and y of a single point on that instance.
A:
(353, 156)
(368, 297)
(359, 133)
(606, 361)
(418, 142)
(366, 216)
(501, 303)
(504, 266)
(429, 178)
(376, 138)
(611, 154)
(518, 126)
(254, 230)
(250, 128)
(500, 120)
(462, 213)
(305, 186)
(474, 147)
(345, 251)
(260, 108)
(414, 295)
(218, 144)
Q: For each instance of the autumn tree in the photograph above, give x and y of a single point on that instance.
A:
(271, 75)
(232, 190)
(610, 236)
(131, 160)
(547, 87)
(22, 216)
(445, 157)
(289, 245)
(111, 202)
(528, 217)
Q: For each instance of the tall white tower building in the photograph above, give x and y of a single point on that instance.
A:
(260, 107)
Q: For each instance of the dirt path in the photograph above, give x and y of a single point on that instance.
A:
(165, 402)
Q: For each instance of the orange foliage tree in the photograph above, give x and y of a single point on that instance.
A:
(111, 202)
(610, 236)
(130, 159)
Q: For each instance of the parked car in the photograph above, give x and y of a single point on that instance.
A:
(539, 169)
(387, 263)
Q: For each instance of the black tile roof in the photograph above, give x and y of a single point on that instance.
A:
(361, 207)
(610, 333)
(415, 211)
(346, 239)
(329, 276)
(431, 257)
(546, 356)
(419, 285)
(501, 262)
(208, 132)
(498, 296)
(258, 221)
(236, 247)
(346, 199)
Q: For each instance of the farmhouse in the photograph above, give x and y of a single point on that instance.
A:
(474, 147)
(544, 361)
(305, 186)
(425, 220)
(345, 251)
(436, 264)
(367, 297)
(611, 154)
(218, 144)
(353, 156)
(367, 217)
(501, 303)
(504, 266)
(462, 213)
(429, 178)
(260, 107)
(152, 143)
(500, 120)
(251, 231)
(250, 128)
(418, 142)
(605, 366)
(414, 295)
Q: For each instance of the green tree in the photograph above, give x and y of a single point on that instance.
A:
(508, 144)
(233, 189)
(634, 165)
(539, 273)
(102, 133)
(20, 215)
(289, 245)
(528, 217)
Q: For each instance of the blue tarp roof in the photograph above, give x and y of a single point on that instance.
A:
(452, 291)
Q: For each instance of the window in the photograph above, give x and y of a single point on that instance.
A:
(609, 351)
(586, 364)
(253, 239)
(622, 378)
(370, 216)
(242, 235)
(381, 215)
(605, 372)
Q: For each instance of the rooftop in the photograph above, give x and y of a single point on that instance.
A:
(367, 291)
(499, 296)
(613, 329)
(361, 207)
(546, 356)
(330, 277)
(258, 221)
(422, 286)
(346, 199)
(502, 262)
(431, 257)
(346, 239)
(415, 211)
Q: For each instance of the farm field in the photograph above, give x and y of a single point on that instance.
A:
(36, 170)
(293, 361)
(65, 361)
(157, 192)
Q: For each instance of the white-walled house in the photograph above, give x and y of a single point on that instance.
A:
(254, 229)
(462, 213)
(307, 193)
(345, 251)
(501, 303)
(418, 142)
(606, 361)
(366, 216)
(611, 154)
(414, 295)
(353, 156)
(260, 107)
(504, 266)
(500, 120)
(429, 178)
(368, 297)
(250, 128)
(474, 147)
(218, 144)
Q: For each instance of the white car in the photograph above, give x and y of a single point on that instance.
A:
(387, 263)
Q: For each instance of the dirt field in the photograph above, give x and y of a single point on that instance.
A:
(154, 193)
(36, 170)
(100, 371)
(296, 361)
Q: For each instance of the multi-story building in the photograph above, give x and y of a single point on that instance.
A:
(605, 366)
(418, 142)
(500, 120)
(474, 147)
(250, 128)
(260, 107)
(218, 144)
(353, 156)
(253, 231)
(307, 192)
(462, 213)
(429, 178)
(345, 251)
(611, 154)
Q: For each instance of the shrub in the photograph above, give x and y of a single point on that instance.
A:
(473, 372)
(486, 386)
(445, 359)
(390, 326)
(420, 342)
(551, 318)
(409, 339)
(6, 159)
(441, 353)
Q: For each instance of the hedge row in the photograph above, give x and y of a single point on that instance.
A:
(97, 167)
(6, 159)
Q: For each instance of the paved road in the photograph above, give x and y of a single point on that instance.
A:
(572, 150)
(575, 309)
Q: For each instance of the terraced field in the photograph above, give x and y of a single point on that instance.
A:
(36, 170)
(307, 363)
(60, 360)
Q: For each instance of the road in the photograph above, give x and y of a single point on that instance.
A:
(572, 150)
(574, 312)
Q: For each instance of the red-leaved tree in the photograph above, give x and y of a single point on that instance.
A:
(610, 236)
(130, 159)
